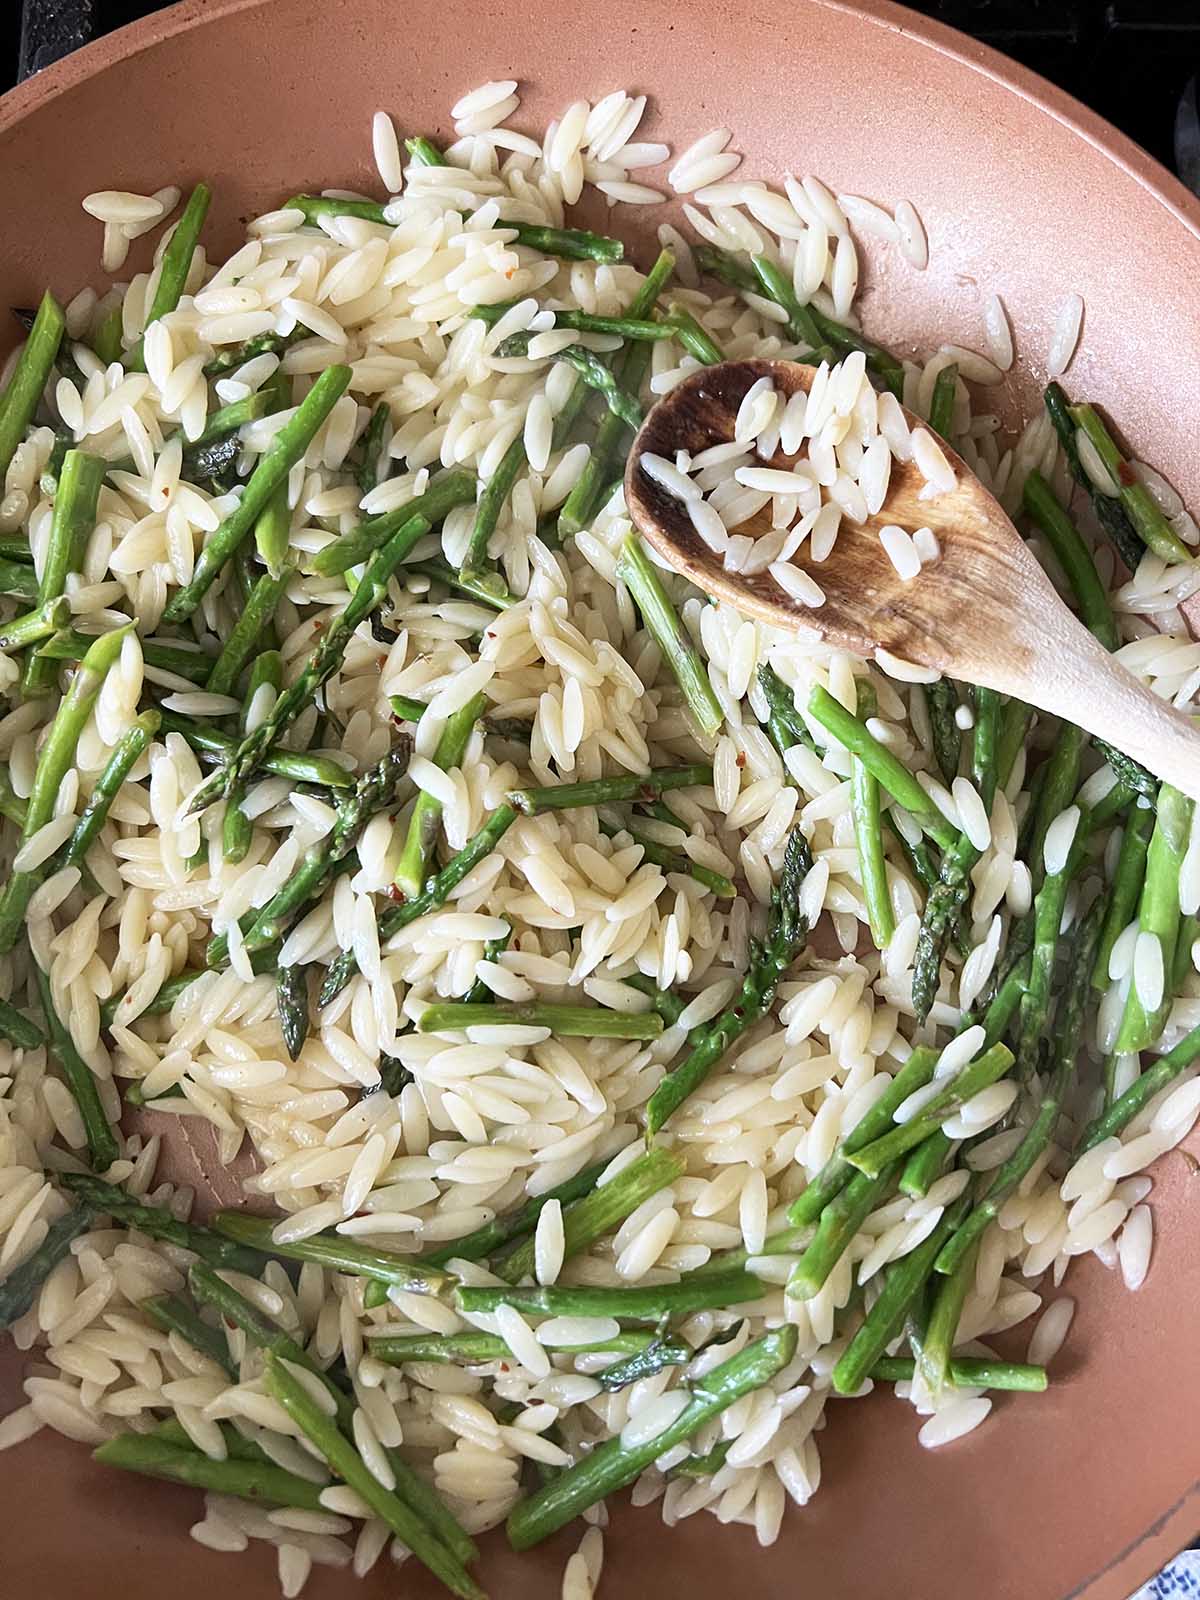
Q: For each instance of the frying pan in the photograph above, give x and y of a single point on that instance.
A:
(1083, 1491)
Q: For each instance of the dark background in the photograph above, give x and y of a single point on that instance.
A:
(1134, 61)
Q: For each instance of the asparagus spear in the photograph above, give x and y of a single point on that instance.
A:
(323, 661)
(11, 804)
(584, 499)
(487, 512)
(582, 1022)
(106, 341)
(272, 468)
(643, 1303)
(882, 764)
(128, 750)
(300, 765)
(786, 932)
(608, 791)
(1129, 772)
(54, 762)
(473, 1347)
(968, 1372)
(370, 448)
(22, 394)
(841, 1219)
(248, 632)
(1110, 513)
(448, 489)
(425, 818)
(704, 1466)
(695, 340)
(593, 371)
(726, 266)
(424, 153)
(272, 532)
(634, 326)
(837, 1171)
(941, 702)
(18, 580)
(868, 836)
(174, 268)
(518, 1224)
(1158, 914)
(173, 1315)
(903, 1282)
(247, 1480)
(435, 893)
(292, 992)
(158, 1223)
(262, 345)
(421, 1498)
(675, 861)
(936, 1345)
(1068, 1029)
(641, 578)
(236, 827)
(963, 1086)
(476, 586)
(1142, 509)
(776, 285)
(1073, 557)
(612, 1465)
(20, 1287)
(941, 408)
(785, 726)
(34, 626)
(68, 644)
(18, 1029)
(72, 522)
(375, 791)
(1141, 1092)
(479, 994)
(345, 1462)
(603, 1209)
(330, 1250)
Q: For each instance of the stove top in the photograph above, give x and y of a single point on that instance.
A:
(1133, 61)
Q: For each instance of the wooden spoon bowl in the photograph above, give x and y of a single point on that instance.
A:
(984, 612)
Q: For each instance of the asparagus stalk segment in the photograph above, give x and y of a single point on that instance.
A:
(1110, 513)
(333, 1251)
(18, 1029)
(837, 1171)
(637, 1304)
(174, 268)
(248, 632)
(841, 1219)
(128, 751)
(72, 522)
(246, 1480)
(425, 818)
(639, 575)
(54, 762)
(582, 1022)
(174, 1315)
(436, 892)
(323, 661)
(969, 1372)
(1141, 1091)
(301, 765)
(882, 764)
(448, 489)
(23, 392)
(45, 620)
(602, 1210)
(1158, 915)
(20, 1287)
(1148, 520)
(787, 931)
(609, 791)
(868, 836)
(288, 447)
(1074, 557)
(158, 1223)
(905, 1136)
(517, 1224)
(612, 1465)
(345, 1462)
(473, 1347)
(941, 702)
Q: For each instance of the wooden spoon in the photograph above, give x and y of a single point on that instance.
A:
(984, 613)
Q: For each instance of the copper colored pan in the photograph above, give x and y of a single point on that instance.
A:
(1083, 1491)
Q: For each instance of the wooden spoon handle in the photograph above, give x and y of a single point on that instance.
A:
(1091, 689)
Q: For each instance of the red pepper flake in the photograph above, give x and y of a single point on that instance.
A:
(1126, 474)
(741, 759)
(394, 892)
(318, 626)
